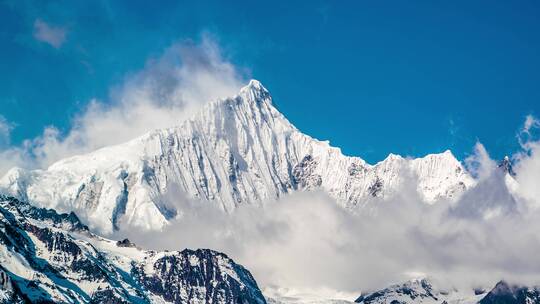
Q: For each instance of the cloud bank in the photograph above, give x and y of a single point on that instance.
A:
(168, 90)
(306, 241)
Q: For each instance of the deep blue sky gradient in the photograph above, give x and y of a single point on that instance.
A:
(373, 77)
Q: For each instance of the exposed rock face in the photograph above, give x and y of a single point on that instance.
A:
(235, 151)
(199, 276)
(304, 174)
(48, 257)
(506, 166)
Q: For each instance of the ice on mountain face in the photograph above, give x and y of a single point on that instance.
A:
(46, 257)
(235, 151)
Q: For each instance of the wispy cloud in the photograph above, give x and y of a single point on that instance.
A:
(5, 131)
(53, 35)
(526, 133)
(531, 122)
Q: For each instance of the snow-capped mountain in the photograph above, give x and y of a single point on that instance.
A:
(423, 291)
(512, 294)
(46, 257)
(238, 150)
(419, 291)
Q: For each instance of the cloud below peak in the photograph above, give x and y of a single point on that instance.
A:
(306, 241)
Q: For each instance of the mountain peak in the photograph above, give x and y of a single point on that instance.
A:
(506, 166)
(504, 292)
(255, 91)
(448, 153)
(254, 83)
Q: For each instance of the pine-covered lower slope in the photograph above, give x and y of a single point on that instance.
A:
(46, 257)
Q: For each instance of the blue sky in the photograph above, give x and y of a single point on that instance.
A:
(407, 77)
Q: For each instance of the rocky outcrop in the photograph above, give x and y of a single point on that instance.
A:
(48, 257)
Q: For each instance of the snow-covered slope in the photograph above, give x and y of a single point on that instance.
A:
(46, 257)
(420, 291)
(239, 150)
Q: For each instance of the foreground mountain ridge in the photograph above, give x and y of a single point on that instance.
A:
(46, 257)
(235, 151)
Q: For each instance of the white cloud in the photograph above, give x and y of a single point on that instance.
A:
(9, 156)
(305, 241)
(53, 35)
(528, 174)
(168, 90)
(480, 164)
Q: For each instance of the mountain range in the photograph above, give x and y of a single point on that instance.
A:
(235, 151)
(424, 291)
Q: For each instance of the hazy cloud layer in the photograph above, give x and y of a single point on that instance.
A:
(53, 35)
(307, 241)
(169, 89)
